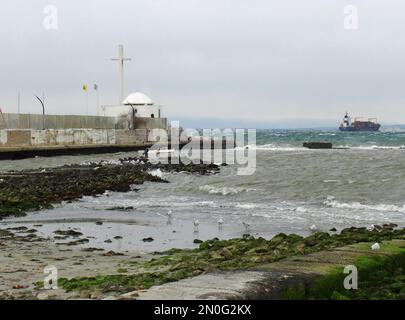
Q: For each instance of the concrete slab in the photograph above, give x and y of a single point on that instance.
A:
(264, 282)
(220, 285)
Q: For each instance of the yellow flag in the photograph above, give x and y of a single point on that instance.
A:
(84, 87)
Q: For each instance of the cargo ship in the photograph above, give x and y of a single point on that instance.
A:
(370, 124)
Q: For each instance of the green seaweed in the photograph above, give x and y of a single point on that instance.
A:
(234, 254)
(380, 277)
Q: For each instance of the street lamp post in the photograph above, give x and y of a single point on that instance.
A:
(43, 112)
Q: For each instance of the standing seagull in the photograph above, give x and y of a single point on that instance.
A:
(196, 224)
(313, 228)
(169, 217)
(220, 223)
(371, 228)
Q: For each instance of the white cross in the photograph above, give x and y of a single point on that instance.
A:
(121, 60)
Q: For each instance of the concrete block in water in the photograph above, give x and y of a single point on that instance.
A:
(317, 145)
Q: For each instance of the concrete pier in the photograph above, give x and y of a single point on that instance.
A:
(18, 144)
(29, 143)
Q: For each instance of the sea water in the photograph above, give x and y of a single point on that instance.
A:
(292, 188)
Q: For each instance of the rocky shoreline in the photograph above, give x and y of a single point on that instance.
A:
(30, 190)
(91, 272)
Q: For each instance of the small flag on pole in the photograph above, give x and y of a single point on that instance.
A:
(95, 87)
(84, 87)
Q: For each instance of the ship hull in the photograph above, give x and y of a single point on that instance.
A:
(353, 129)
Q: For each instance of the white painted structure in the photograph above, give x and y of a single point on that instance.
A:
(136, 103)
(135, 111)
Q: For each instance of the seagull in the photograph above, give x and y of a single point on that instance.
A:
(196, 224)
(375, 247)
(313, 228)
(169, 217)
(220, 223)
(371, 228)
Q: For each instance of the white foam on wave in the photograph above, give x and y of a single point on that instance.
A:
(327, 134)
(246, 205)
(372, 147)
(331, 181)
(222, 190)
(156, 173)
(332, 203)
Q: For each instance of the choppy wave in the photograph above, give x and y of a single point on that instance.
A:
(222, 190)
(333, 203)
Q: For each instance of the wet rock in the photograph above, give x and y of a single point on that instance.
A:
(197, 241)
(70, 233)
(92, 249)
(121, 208)
(60, 237)
(108, 241)
(31, 231)
(77, 242)
(149, 239)
(35, 190)
(389, 226)
(112, 253)
(117, 237)
(18, 228)
(6, 234)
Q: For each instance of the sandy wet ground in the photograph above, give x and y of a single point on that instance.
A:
(22, 264)
(89, 245)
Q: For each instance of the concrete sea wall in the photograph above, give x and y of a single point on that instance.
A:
(74, 137)
(41, 122)
(21, 144)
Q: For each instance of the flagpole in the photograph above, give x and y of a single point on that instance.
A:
(87, 103)
(86, 97)
(18, 102)
(98, 98)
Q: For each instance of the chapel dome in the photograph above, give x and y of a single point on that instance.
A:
(137, 98)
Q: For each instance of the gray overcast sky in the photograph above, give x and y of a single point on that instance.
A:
(236, 61)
